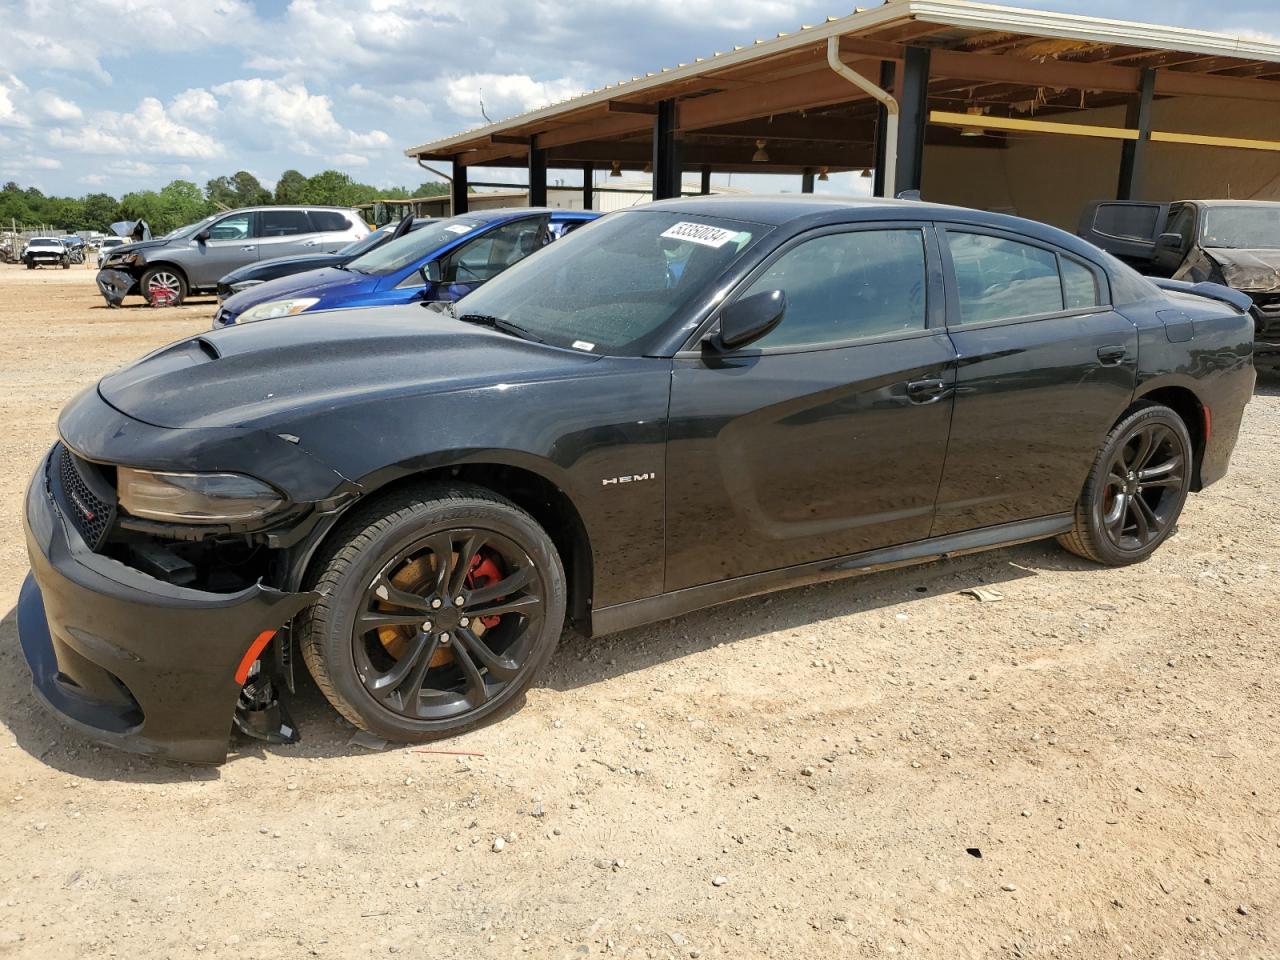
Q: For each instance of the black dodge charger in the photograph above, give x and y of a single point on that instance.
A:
(676, 406)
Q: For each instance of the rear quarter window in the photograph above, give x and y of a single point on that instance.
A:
(328, 221)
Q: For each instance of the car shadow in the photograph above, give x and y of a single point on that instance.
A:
(1268, 382)
(579, 662)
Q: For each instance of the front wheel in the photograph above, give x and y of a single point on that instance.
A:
(439, 609)
(164, 283)
(1136, 489)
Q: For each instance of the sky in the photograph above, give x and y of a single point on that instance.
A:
(131, 94)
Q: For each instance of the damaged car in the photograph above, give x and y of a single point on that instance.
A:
(192, 259)
(679, 405)
(1232, 242)
(46, 252)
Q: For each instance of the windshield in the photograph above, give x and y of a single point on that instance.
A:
(190, 228)
(412, 247)
(45, 243)
(610, 286)
(1248, 228)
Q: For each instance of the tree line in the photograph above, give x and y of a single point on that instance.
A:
(182, 202)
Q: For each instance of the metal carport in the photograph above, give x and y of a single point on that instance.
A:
(1028, 111)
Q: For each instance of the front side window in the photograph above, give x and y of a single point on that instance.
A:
(284, 223)
(484, 258)
(844, 286)
(615, 284)
(237, 227)
(999, 279)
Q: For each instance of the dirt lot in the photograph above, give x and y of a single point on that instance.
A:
(807, 775)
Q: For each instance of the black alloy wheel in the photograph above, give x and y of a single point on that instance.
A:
(1136, 489)
(443, 606)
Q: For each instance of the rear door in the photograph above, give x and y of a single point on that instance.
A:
(1126, 229)
(826, 437)
(1045, 367)
(286, 232)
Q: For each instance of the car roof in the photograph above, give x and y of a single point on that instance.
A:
(798, 212)
(497, 214)
(1234, 203)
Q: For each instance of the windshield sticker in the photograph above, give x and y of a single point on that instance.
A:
(458, 228)
(701, 234)
(583, 345)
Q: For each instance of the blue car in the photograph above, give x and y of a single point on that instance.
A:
(441, 262)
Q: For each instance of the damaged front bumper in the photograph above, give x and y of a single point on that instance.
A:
(129, 660)
(115, 285)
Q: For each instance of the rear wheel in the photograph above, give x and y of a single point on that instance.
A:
(164, 282)
(1135, 491)
(441, 606)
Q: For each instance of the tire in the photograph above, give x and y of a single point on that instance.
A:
(31, 265)
(166, 276)
(468, 668)
(66, 264)
(1122, 518)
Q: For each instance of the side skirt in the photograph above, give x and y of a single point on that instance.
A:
(624, 616)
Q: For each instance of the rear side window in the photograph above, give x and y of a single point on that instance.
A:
(1127, 221)
(999, 279)
(328, 221)
(284, 223)
(846, 286)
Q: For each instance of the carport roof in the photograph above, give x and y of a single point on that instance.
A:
(1008, 60)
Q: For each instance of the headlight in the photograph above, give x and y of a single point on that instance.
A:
(195, 497)
(277, 308)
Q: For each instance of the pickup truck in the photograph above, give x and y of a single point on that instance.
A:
(1232, 242)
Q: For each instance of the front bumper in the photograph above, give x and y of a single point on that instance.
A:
(126, 659)
(115, 285)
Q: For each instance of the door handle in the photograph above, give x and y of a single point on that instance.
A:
(249, 247)
(927, 391)
(1112, 356)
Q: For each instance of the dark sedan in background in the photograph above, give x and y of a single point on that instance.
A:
(264, 270)
(1232, 242)
(681, 404)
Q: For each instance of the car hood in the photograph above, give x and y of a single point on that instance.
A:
(140, 246)
(258, 374)
(313, 283)
(1253, 270)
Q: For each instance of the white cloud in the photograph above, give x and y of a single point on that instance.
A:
(195, 106)
(54, 107)
(147, 131)
(11, 91)
(269, 110)
(505, 94)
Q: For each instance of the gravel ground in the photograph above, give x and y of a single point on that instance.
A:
(1087, 768)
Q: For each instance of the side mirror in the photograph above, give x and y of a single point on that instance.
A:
(203, 235)
(432, 272)
(747, 320)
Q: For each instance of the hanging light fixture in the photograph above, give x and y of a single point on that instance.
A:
(616, 169)
(866, 173)
(647, 168)
(974, 131)
(822, 175)
(761, 155)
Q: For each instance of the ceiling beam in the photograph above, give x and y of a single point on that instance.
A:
(819, 88)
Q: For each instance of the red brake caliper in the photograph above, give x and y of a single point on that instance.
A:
(483, 573)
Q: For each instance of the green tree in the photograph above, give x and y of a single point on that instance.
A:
(181, 202)
(100, 211)
(241, 189)
(331, 187)
(290, 187)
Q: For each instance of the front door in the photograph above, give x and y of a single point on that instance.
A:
(232, 243)
(1045, 368)
(827, 437)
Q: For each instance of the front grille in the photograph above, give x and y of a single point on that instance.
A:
(88, 502)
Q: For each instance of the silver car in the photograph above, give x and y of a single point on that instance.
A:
(193, 258)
